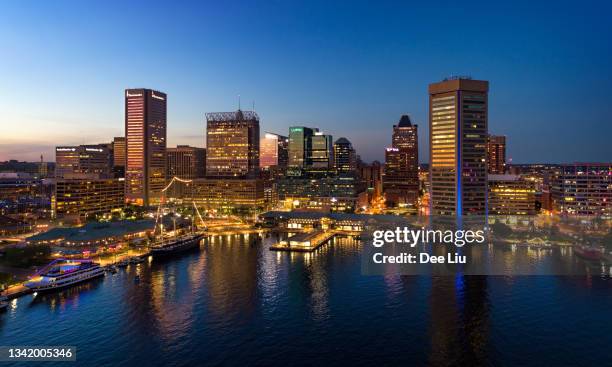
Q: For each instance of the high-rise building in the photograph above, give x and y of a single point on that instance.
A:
(273, 151)
(458, 130)
(401, 180)
(583, 189)
(83, 159)
(145, 135)
(186, 162)
(300, 144)
(496, 154)
(119, 151)
(511, 195)
(232, 144)
(345, 158)
(321, 154)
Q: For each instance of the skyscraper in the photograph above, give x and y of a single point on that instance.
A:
(232, 144)
(345, 159)
(401, 180)
(496, 151)
(300, 144)
(458, 129)
(273, 151)
(321, 154)
(145, 135)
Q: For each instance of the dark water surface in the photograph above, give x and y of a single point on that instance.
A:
(231, 303)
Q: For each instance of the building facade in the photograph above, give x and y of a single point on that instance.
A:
(232, 144)
(83, 159)
(119, 151)
(511, 195)
(273, 151)
(496, 154)
(401, 177)
(583, 189)
(145, 139)
(84, 197)
(229, 194)
(345, 158)
(458, 130)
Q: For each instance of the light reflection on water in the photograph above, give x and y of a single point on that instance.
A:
(232, 302)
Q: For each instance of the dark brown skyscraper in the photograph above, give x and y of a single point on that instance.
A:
(401, 180)
(232, 144)
(496, 151)
(145, 134)
(458, 124)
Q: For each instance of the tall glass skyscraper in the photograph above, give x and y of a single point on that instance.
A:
(458, 130)
(145, 135)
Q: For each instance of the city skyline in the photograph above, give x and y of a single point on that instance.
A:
(352, 81)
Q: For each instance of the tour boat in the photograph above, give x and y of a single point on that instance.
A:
(63, 273)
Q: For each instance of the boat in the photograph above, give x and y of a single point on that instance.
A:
(63, 273)
(123, 263)
(136, 260)
(3, 303)
(588, 253)
(176, 244)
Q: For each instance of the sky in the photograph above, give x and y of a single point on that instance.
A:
(349, 68)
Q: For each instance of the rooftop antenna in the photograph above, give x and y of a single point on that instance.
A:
(239, 102)
(253, 105)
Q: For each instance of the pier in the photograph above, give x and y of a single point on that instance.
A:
(305, 241)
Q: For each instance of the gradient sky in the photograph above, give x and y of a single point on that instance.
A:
(349, 68)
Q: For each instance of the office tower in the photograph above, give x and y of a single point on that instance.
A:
(496, 151)
(321, 154)
(273, 151)
(583, 189)
(145, 136)
(300, 144)
(401, 180)
(119, 151)
(244, 194)
(87, 196)
(232, 144)
(511, 195)
(458, 146)
(83, 159)
(186, 162)
(345, 158)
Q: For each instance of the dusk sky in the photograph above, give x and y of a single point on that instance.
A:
(349, 68)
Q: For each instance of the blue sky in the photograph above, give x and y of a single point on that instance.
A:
(349, 68)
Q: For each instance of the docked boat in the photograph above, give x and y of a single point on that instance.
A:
(588, 253)
(3, 303)
(176, 244)
(136, 260)
(63, 273)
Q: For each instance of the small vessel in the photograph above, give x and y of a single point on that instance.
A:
(136, 260)
(176, 244)
(588, 253)
(123, 263)
(63, 273)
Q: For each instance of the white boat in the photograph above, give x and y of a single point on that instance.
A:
(63, 273)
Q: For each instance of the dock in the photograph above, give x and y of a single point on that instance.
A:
(305, 241)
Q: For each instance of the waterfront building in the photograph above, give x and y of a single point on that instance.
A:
(496, 154)
(186, 163)
(273, 151)
(345, 158)
(88, 195)
(325, 193)
(458, 130)
(232, 144)
(583, 189)
(229, 195)
(83, 159)
(511, 195)
(145, 139)
(401, 177)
